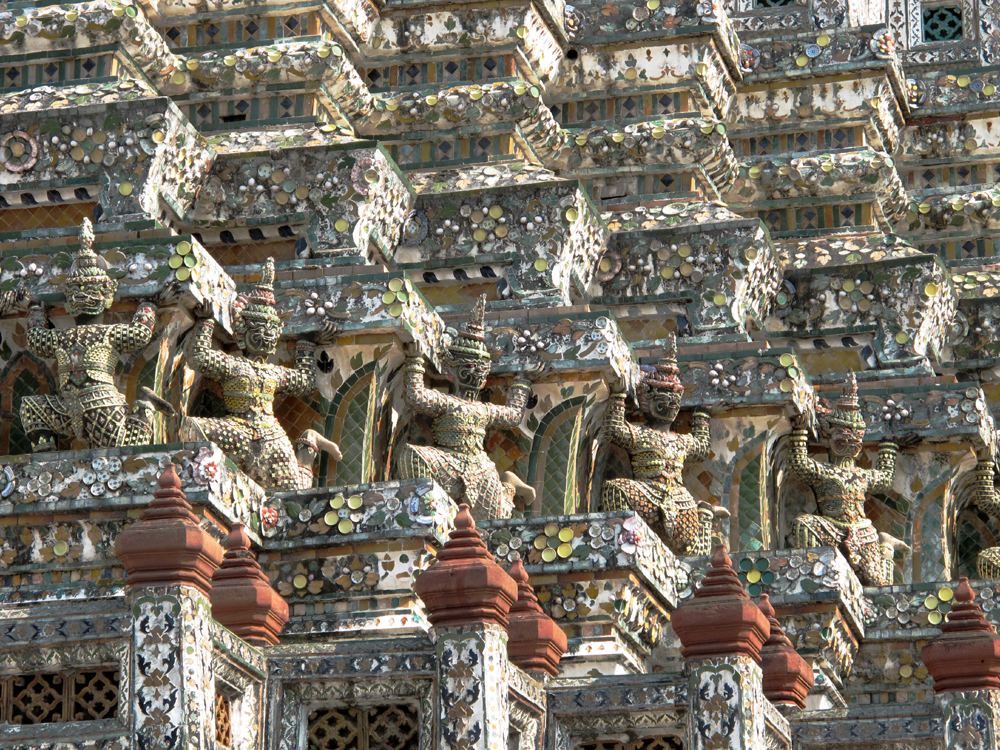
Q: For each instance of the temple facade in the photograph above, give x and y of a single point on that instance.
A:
(523, 375)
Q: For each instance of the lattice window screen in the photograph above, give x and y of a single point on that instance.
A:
(664, 742)
(51, 697)
(390, 727)
(223, 720)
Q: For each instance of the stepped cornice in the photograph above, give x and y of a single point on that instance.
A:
(789, 178)
(904, 297)
(545, 228)
(720, 265)
(140, 150)
(349, 194)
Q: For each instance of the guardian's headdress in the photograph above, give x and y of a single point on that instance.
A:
(470, 343)
(88, 267)
(665, 375)
(259, 304)
(847, 413)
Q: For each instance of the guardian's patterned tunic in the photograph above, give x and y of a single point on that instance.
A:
(250, 434)
(88, 406)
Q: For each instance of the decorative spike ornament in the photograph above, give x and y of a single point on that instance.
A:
(259, 304)
(88, 267)
(847, 412)
(665, 375)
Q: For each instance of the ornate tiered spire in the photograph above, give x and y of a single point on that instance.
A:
(720, 619)
(242, 598)
(966, 656)
(465, 585)
(260, 302)
(788, 677)
(536, 642)
(665, 374)
(88, 267)
(167, 546)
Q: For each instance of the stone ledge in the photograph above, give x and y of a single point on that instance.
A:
(124, 478)
(356, 514)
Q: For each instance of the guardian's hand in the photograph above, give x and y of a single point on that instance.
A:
(203, 311)
(327, 334)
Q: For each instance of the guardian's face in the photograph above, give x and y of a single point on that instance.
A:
(846, 442)
(87, 298)
(471, 374)
(663, 404)
(262, 336)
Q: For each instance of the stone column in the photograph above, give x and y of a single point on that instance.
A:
(965, 664)
(170, 559)
(721, 632)
(468, 597)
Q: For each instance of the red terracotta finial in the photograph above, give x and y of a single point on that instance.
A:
(720, 619)
(525, 592)
(465, 541)
(535, 642)
(965, 592)
(765, 606)
(237, 541)
(242, 598)
(788, 677)
(465, 585)
(721, 579)
(169, 500)
(966, 615)
(966, 656)
(167, 546)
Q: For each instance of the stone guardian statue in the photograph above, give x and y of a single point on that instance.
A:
(841, 487)
(656, 491)
(987, 499)
(249, 433)
(89, 405)
(458, 461)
